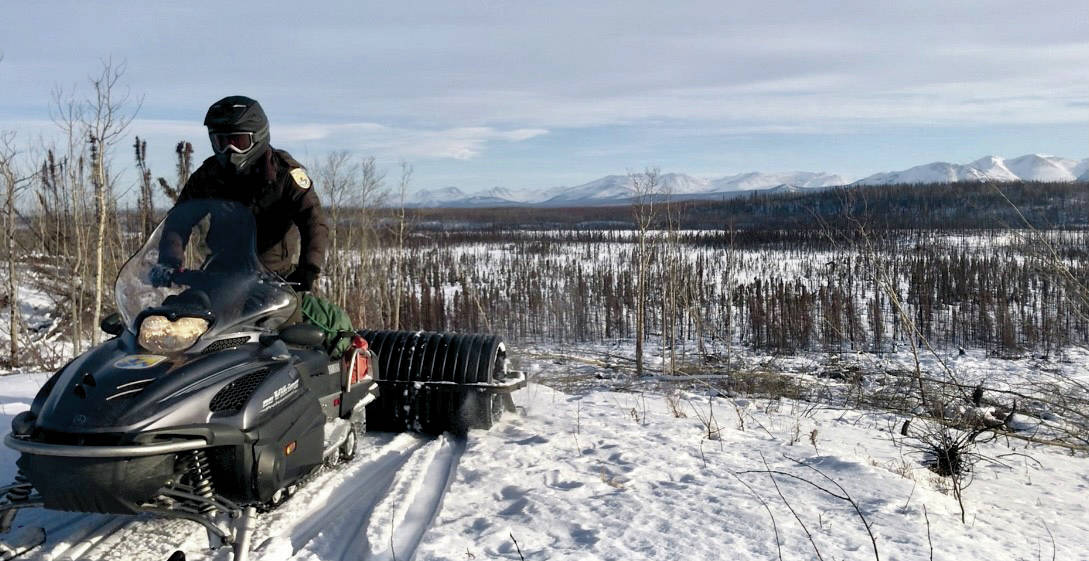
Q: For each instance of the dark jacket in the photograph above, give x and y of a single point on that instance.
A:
(291, 227)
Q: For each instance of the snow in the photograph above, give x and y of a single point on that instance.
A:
(1030, 167)
(435, 197)
(455, 197)
(622, 469)
(619, 188)
(994, 168)
(1037, 167)
(757, 180)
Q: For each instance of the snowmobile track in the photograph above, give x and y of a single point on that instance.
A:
(355, 497)
(343, 527)
(73, 536)
(88, 543)
(409, 472)
(426, 502)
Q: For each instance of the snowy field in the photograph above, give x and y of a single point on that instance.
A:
(651, 472)
(598, 465)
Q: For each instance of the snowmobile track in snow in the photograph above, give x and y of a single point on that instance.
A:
(73, 536)
(341, 528)
(377, 507)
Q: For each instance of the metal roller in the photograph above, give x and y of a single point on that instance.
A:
(432, 381)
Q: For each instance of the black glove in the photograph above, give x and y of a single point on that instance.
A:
(161, 275)
(304, 276)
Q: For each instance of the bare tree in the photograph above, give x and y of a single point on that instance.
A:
(363, 234)
(12, 185)
(105, 120)
(64, 183)
(337, 175)
(146, 204)
(398, 289)
(645, 185)
(184, 152)
(671, 263)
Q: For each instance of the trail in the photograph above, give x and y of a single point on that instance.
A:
(383, 510)
(622, 475)
(71, 536)
(331, 517)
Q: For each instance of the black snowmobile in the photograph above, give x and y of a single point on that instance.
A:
(207, 405)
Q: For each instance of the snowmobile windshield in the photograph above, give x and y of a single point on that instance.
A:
(201, 262)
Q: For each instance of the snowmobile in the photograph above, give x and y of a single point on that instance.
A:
(210, 404)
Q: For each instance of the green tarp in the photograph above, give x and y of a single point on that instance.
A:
(330, 318)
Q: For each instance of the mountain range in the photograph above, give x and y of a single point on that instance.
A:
(1030, 167)
(619, 189)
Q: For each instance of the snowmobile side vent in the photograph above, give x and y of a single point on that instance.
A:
(223, 344)
(234, 395)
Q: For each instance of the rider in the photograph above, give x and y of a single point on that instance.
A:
(275, 187)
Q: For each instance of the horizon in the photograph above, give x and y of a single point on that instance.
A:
(541, 97)
(523, 197)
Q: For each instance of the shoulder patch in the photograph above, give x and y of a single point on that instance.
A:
(301, 179)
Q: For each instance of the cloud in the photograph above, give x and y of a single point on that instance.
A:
(432, 65)
(454, 82)
(460, 143)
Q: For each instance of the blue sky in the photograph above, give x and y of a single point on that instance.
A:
(536, 95)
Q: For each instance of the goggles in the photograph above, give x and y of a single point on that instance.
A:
(237, 142)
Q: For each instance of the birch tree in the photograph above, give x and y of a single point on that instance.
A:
(105, 119)
(9, 176)
(372, 194)
(645, 186)
(398, 288)
(336, 175)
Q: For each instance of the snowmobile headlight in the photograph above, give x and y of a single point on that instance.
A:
(160, 335)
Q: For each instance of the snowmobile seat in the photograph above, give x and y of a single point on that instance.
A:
(303, 335)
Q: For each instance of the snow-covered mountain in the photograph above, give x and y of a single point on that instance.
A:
(435, 197)
(454, 197)
(757, 180)
(1038, 167)
(618, 189)
(621, 187)
(1030, 167)
(994, 168)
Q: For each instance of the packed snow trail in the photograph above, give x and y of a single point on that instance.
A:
(331, 517)
(354, 501)
(413, 475)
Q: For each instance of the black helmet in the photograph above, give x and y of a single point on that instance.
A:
(238, 129)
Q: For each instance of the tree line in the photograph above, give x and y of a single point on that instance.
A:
(971, 265)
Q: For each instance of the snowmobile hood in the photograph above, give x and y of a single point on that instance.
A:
(115, 390)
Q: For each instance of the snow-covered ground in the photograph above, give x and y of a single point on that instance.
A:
(654, 471)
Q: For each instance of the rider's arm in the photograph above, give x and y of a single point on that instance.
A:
(178, 226)
(313, 228)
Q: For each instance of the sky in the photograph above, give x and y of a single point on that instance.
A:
(531, 96)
